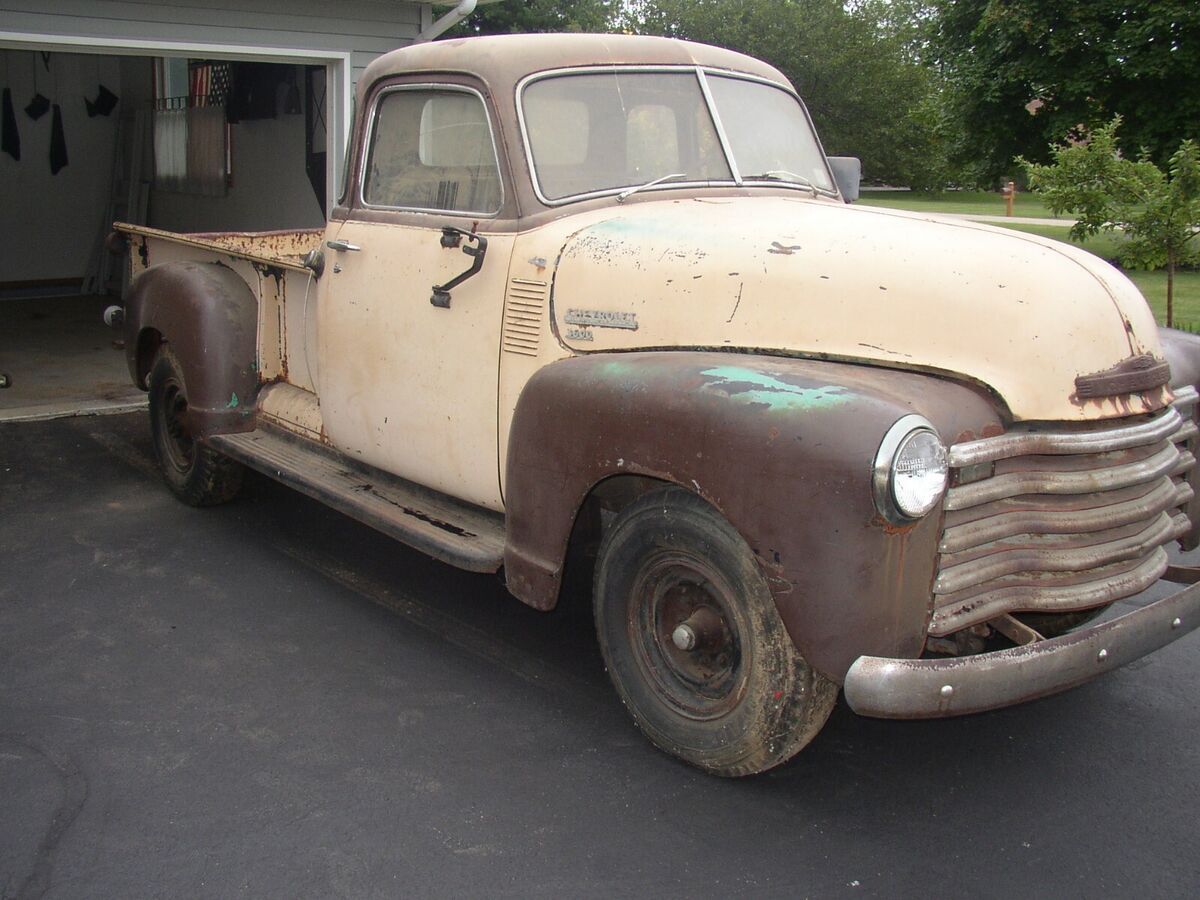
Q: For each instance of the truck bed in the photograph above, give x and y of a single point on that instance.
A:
(283, 249)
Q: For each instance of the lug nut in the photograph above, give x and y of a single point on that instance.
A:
(684, 637)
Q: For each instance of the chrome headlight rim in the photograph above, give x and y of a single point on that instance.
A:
(883, 476)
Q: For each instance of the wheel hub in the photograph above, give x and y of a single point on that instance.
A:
(688, 638)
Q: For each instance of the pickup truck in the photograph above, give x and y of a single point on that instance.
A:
(599, 304)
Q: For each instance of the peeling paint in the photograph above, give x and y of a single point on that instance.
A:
(787, 250)
(748, 386)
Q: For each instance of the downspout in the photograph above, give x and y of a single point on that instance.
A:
(446, 22)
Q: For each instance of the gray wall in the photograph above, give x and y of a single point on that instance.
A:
(48, 223)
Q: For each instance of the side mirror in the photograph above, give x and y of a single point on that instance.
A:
(847, 172)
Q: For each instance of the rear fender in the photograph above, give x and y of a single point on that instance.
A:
(783, 448)
(209, 316)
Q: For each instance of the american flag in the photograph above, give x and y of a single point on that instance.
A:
(208, 83)
(199, 83)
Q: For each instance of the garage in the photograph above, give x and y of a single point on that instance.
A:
(187, 116)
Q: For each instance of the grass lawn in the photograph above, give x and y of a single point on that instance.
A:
(978, 203)
(1105, 244)
(1153, 286)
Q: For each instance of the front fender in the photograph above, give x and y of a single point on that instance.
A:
(209, 316)
(1182, 351)
(783, 448)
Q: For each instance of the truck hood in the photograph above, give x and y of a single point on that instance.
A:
(1022, 315)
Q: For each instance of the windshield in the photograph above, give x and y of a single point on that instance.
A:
(599, 132)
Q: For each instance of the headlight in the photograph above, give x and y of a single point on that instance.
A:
(910, 470)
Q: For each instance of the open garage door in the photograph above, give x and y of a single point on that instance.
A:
(184, 138)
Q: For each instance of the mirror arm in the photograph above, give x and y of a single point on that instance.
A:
(453, 237)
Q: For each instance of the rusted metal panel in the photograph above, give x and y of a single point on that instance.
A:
(781, 447)
(929, 688)
(1130, 376)
(1061, 520)
(209, 315)
(281, 249)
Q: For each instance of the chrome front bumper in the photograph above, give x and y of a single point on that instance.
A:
(935, 688)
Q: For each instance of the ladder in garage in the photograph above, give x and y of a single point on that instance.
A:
(128, 197)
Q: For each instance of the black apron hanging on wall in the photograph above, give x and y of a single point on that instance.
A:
(58, 142)
(10, 138)
(105, 103)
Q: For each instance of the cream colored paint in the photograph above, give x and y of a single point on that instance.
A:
(532, 259)
(1018, 313)
(406, 386)
(291, 408)
(287, 306)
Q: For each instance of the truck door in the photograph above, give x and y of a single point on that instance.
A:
(409, 374)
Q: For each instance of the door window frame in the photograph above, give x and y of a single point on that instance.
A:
(369, 136)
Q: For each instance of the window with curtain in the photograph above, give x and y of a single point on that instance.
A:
(191, 137)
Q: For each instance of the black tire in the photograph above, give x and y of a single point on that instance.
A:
(743, 699)
(195, 473)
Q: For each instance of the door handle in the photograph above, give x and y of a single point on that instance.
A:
(342, 245)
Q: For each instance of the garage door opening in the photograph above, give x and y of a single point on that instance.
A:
(185, 143)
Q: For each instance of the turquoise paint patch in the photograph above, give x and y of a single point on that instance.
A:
(233, 402)
(618, 369)
(749, 386)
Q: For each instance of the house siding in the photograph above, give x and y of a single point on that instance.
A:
(362, 29)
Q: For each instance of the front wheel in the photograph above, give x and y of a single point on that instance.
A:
(195, 473)
(694, 644)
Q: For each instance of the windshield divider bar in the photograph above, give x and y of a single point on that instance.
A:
(721, 136)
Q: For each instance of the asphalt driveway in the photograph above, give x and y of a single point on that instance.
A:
(268, 699)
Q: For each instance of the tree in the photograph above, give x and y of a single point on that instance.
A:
(1075, 63)
(857, 71)
(1159, 212)
(517, 16)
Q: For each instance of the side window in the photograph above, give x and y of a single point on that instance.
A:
(432, 149)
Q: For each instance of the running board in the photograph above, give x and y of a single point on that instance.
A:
(447, 529)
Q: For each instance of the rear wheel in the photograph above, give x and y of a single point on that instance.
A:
(694, 644)
(195, 473)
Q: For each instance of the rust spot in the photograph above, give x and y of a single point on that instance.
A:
(737, 304)
(892, 528)
(1133, 375)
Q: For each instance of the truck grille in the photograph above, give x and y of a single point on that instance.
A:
(1052, 521)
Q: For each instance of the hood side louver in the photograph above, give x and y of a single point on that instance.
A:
(524, 313)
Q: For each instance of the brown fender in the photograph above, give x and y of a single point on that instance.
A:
(209, 316)
(1182, 351)
(783, 448)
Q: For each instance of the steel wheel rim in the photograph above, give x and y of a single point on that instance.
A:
(178, 445)
(703, 683)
